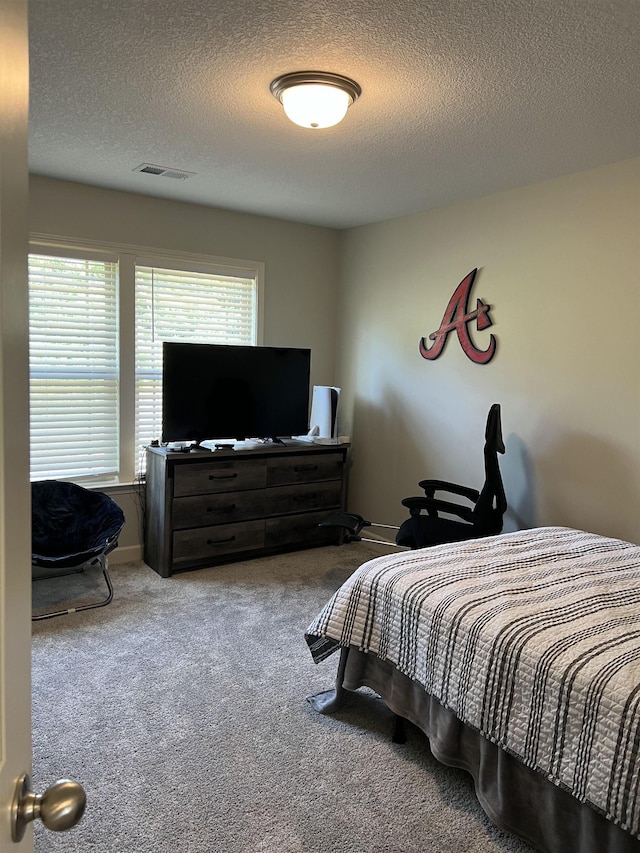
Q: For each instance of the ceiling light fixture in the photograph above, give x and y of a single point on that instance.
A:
(315, 99)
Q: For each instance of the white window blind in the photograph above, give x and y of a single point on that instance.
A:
(180, 305)
(73, 362)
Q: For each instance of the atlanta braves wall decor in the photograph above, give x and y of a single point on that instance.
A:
(457, 316)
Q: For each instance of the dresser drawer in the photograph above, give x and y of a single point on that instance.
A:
(209, 477)
(283, 470)
(290, 499)
(298, 530)
(218, 508)
(191, 546)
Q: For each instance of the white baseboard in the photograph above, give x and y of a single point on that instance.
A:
(126, 554)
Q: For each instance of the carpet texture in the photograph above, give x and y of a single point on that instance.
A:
(181, 709)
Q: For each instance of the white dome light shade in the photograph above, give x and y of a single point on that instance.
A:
(315, 99)
(315, 104)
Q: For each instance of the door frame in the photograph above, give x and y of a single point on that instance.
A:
(15, 498)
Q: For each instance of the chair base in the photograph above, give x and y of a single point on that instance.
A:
(90, 606)
(353, 523)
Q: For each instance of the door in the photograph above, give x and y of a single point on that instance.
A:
(15, 503)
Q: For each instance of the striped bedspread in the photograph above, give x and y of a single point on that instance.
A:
(532, 638)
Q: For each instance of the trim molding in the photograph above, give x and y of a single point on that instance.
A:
(235, 265)
(126, 554)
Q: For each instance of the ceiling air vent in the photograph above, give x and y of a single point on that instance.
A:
(163, 171)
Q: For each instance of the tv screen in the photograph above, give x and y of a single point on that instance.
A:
(217, 391)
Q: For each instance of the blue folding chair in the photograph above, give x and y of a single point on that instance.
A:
(72, 528)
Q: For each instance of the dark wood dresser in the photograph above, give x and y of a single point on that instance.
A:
(203, 508)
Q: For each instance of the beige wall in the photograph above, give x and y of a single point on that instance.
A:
(559, 263)
(300, 265)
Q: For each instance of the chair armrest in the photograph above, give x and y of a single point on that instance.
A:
(431, 486)
(434, 505)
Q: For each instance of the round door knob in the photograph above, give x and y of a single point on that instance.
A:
(59, 808)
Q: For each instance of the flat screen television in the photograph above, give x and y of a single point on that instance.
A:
(217, 391)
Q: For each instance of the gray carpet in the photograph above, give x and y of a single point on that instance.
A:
(181, 709)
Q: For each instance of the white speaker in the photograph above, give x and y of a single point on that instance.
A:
(324, 411)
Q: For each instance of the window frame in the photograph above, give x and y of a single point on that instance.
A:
(129, 256)
(44, 369)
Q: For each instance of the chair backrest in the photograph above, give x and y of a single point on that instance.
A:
(492, 504)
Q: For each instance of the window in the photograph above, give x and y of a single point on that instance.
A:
(73, 366)
(97, 320)
(174, 305)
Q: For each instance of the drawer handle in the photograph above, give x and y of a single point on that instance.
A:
(299, 469)
(221, 541)
(221, 508)
(222, 476)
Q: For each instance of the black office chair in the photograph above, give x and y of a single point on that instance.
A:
(481, 516)
(72, 528)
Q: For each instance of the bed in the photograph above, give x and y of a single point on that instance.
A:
(518, 655)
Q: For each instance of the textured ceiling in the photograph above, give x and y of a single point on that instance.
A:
(460, 98)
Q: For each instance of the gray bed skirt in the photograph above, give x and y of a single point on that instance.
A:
(515, 797)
